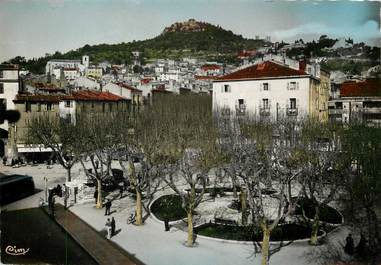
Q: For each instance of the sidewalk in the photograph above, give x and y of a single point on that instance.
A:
(104, 251)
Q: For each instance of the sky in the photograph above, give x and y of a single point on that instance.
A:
(31, 28)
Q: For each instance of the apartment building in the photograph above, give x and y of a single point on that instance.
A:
(273, 90)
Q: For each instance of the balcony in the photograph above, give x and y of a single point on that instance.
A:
(264, 111)
(225, 112)
(336, 111)
(371, 110)
(292, 111)
(240, 109)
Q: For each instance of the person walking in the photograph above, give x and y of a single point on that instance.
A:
(108, 228)
(108, 207)
(349, 246)
(121, 191)
(65, 193)
(112, 227)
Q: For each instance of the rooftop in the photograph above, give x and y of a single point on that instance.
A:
(20, 98)
(132, 89)
(268, 69)
(91, 95)
(365, 88)
(9, 67)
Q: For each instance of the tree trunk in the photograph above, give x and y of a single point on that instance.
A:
(139, 219)
(243, 207)
(190, 229)
(68, 174)
(99, 199)
(234, 182)
(265, 245)
(315, 227)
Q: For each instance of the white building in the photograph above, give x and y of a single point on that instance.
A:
(84, 82)
(272, 89)
(64, 63)
(9, 87)
(125, 91)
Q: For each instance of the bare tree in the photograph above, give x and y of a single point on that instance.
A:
(269, 163)
(96, 142)
(57, 134)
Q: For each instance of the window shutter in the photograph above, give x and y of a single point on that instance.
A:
(269, 106)
(288, 85)
(268, 86)
(297, 85)
(297, 103)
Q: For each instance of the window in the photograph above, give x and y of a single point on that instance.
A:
(28, 107)
(241, 102)
(292, 86)
(1, 74)
(92, 105)
(265, 103)
(110, 106)
(227, 88)
(49, 106)
(265, 86)
(68, 117)
(67, 104)
(292, 103)
(103, 107)
(38, 107)
(1, 88)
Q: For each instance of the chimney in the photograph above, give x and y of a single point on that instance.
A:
(302, 65)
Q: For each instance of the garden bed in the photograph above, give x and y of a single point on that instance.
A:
(286, 232)
(168, 207)
(327, 213)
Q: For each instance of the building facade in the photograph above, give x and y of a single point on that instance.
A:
(273, 90)
(359, 101)
(9, 87)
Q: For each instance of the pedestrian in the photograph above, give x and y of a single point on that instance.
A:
(112, 227)
(108, 207)
(108, 228)
(66, 194)
(349, 246)
(121, 191)
(361, 247)
(96, 195)
(59, 190)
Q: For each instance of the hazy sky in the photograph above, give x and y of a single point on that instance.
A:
(32, 28)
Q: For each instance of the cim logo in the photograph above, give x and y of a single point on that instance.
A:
(14, 251)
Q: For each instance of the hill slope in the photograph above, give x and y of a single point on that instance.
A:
(189, 38)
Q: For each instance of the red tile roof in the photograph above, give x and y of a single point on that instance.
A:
(132, 89)
(145, 80)
(366, 88)
(259, 71)
(245, 53)
(91, 95)
(208, 67)
(207, 77)
(20, 98)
